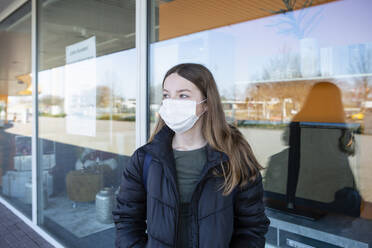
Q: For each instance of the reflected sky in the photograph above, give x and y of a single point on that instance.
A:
(117, 71)
(238, 54)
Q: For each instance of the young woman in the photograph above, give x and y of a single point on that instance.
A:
(203, 186)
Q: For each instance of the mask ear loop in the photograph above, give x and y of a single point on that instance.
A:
(203, 100)
(204, 110)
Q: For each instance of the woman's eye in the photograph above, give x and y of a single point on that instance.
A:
(183, 96)
(165, 95)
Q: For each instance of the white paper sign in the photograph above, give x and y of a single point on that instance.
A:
(82, 50)
(80, 88)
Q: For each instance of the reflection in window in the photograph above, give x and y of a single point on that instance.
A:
(16, 109)
(265, 67)
(87, 99)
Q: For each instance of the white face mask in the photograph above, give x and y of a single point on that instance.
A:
(179, 115)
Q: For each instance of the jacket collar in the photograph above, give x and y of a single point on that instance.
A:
(161, 148)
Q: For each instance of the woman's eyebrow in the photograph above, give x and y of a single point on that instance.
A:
(183, 90)
(179, 90)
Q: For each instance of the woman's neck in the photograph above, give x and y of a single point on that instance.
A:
(189, 140)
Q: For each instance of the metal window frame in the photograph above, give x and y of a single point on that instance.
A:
(142, 73)
(36, 171)
(35, 129)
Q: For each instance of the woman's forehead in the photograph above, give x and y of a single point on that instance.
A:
(174, 82)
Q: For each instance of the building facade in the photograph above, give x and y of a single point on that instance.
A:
(80, 87)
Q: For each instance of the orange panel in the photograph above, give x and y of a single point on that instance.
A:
(181, 17)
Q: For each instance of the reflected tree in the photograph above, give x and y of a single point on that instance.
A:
(47, 101)
(361, 64)
(103, 96)
(286, 64)
(296, 23)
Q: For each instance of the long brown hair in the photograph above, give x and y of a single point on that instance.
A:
(242, 165)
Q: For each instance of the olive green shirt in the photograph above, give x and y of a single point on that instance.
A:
(189, 165)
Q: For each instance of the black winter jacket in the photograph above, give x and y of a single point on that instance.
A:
(236, 220)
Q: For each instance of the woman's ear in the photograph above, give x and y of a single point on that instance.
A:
(204, 106)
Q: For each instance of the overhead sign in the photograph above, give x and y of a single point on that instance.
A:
(81, 51)
(80, 88)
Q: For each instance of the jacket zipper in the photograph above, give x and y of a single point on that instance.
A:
(177, 194)
(178, 216)
(195, 203)
(202, 180)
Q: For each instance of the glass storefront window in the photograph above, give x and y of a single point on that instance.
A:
(16, 109)
(87, 100)
(296, 78)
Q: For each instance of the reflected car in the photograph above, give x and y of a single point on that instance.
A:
(357, 116)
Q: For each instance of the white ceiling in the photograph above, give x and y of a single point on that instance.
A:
(66, 22)
(15, 48)
(62, 23)
(4, 4)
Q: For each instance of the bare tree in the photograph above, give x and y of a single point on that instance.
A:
(103, 96)
(285, 65)
(50, 100)
(361, 64)
(296, 23)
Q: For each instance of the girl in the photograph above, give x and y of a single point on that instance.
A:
(201, 185)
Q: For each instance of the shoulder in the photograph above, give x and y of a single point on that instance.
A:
(134, 164)
(139, 154)
(253, 187)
